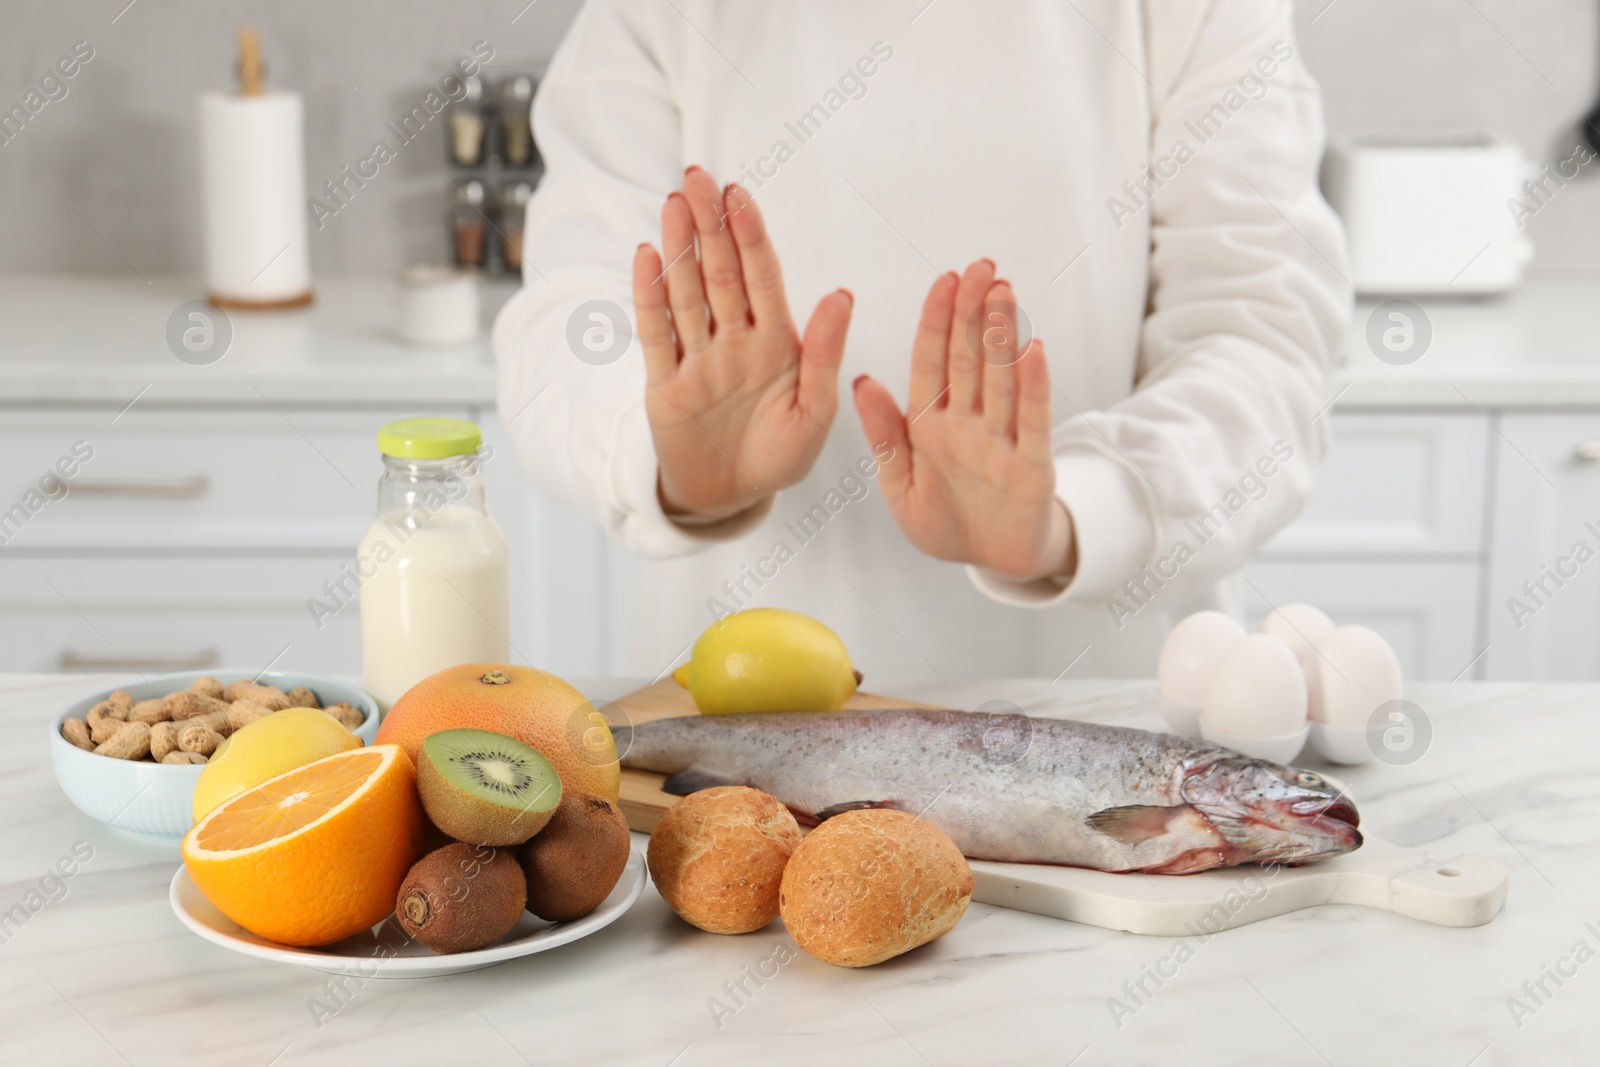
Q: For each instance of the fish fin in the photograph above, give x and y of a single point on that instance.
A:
(1233, 830)
(1134, 824)
(694, 779)
(855, 805)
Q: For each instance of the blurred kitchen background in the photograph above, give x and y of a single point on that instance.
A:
(221, 497)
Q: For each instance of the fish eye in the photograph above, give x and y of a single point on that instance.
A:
(1307, 779)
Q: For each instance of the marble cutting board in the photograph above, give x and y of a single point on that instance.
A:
(1435, 887)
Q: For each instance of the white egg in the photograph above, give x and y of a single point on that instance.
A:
(1191, 653)
(1300, 626)
(1257, 690)
(1354, 672)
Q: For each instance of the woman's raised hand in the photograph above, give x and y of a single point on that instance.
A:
(739, 403)
(971, 479)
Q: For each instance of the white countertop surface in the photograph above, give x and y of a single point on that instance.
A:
(101, 339)
(1538, 347)
(107, 975)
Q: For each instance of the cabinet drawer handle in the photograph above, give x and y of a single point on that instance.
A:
(195, 661)
(186, 489)
(1587, 451)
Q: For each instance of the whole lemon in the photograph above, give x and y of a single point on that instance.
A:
(769, 659)
(266, 748)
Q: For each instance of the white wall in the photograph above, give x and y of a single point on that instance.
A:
(120, 146)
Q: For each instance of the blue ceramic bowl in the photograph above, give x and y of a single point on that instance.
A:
(154, 800)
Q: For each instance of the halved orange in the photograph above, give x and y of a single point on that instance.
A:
(314, 855)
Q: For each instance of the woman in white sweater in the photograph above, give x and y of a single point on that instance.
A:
(1139, 177)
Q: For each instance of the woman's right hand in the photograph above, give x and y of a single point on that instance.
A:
(739, 404)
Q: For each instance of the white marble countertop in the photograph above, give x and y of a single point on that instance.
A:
(107, 975)
(100, 339)
(1537, 347)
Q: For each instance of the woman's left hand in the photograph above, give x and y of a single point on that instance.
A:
(971, 479)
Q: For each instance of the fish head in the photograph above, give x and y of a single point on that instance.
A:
(1274, 813)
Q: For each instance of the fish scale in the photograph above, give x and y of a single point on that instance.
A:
(1012, 787)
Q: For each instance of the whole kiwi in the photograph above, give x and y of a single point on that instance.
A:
(461, 897)
(572, 865)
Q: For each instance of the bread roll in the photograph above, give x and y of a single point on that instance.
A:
(868, 885)
(718, 857)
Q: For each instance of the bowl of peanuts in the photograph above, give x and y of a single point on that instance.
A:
(130, 757)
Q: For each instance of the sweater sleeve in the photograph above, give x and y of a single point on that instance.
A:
(1216, 448)
(571, 371)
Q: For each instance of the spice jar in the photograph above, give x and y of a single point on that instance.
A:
(470, 224)
(513, 211)
(467, 125)
(516, 136)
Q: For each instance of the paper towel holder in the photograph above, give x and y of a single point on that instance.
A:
(233, 252)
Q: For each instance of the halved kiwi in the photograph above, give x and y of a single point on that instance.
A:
(486, 788)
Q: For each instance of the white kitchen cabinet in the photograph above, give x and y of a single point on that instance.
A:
(1426, 610)
(1392, 537)
(1395, 483)
(193, 478)
(145, 614)
(195, 537)
(262, 467)
(561, 615)
(1543, 602)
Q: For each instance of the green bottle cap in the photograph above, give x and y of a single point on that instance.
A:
(429, 438)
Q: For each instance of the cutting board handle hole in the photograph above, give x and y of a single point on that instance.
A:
(1450, 872)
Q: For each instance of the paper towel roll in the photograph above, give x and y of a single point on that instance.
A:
(253, 196)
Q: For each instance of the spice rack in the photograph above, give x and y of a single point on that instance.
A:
(494, 166)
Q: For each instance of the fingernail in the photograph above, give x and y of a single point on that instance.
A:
(679, 195)
(989, 261)
(998, 282)
(642, 246)
(953, 278)
(848, 295)
(692, 167)
(857, 383)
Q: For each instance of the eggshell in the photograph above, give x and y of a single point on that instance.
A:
(1193, 649)
(1300, 626)
(1353, 672)
(1257, 690)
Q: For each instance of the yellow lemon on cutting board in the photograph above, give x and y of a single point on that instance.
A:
(768, 659)
(266, 748)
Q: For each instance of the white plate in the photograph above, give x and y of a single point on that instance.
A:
(386, 952)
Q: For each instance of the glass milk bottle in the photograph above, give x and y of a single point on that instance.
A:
(433, 562)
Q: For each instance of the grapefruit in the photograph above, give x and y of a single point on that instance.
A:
(533, 706)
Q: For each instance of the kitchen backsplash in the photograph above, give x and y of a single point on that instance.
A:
(104, 175)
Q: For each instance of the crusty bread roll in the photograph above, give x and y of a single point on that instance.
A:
(718, 855)
(866, 886)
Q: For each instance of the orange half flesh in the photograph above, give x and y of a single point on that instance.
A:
(284, 805)
(314, 855)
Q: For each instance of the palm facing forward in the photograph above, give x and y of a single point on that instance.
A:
(971, 479)
(739, 404)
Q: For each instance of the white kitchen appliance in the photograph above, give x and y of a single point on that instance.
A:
(1434, 214)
